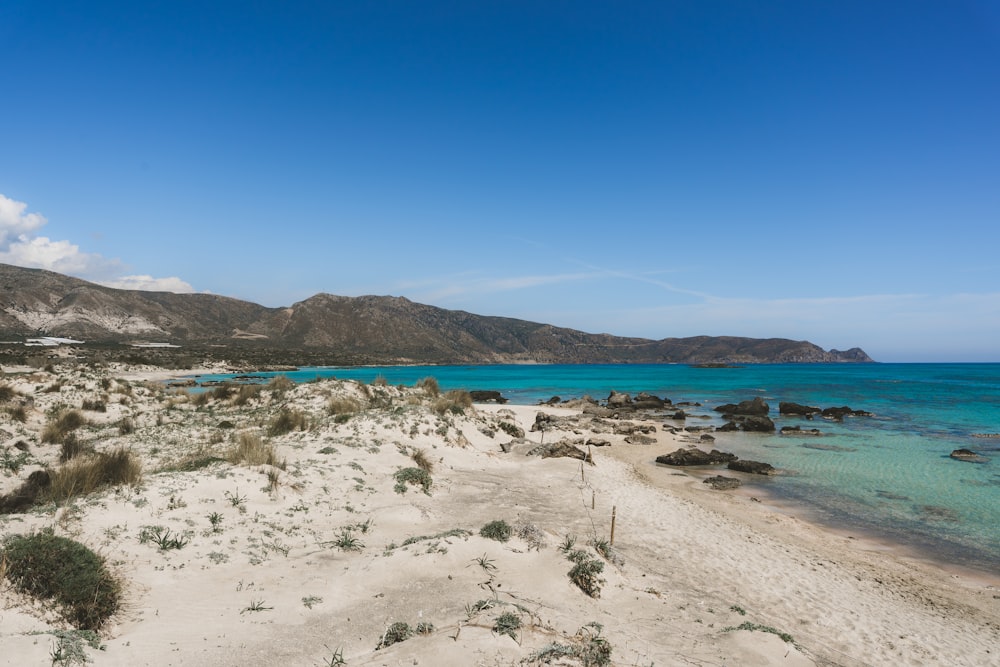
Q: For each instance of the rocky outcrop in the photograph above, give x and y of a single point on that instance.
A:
(790, 408)
(752, 467)
(968, 455)
(695, 457)
(485, 396)
(757, 407)
(838, 414)
(798, 430)
(720, 483)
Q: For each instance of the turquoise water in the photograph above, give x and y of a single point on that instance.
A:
(888, 475)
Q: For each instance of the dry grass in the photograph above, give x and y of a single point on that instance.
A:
(420, 457)
(430, 386)
(288, 420)
(86, 474)
(455, 401)
(342, 405)
(62, 425)
(252, 450)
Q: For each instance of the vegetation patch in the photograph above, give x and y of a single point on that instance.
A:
(413, 477)
(498, 530)
(50, 567)
(88, 474)
(252, 450)
(62, 425)
(397, 632)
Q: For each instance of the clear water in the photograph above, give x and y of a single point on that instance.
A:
(888, 475)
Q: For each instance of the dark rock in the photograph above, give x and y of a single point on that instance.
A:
(560, 449)
(753, 467)
(707, 437)
(728, 427)
(226, 424)
(647, 401)
(789, 408)
(22, 498)
(968, 455)
(21, 445)
(555, 400)
(839, 413)
(695, 457)
(827, 448)
(797, 430)
(639, 439)
(485, 396)
(598, 442)
(758, 424)
(757, 407)
(618, 400)
(720, 483)
(680, 414)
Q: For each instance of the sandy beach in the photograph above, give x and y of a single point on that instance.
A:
(320, 556)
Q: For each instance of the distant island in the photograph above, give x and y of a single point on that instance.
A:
(336, 330)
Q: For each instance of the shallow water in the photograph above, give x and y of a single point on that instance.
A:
(888, 475)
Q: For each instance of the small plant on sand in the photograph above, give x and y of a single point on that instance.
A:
(507, 623)
(216, 520)
(412, 476)
(738, 609)
(498, 530)
(162, 537)
(68, 648)
(346, 541)
(397, 632)
(567, 544)
(55, 568)
(586, 573)
(488, 565)
(310, 600)
(531, 534)
(589, 648)
(256, 605)
(236, 500)
(336, 659)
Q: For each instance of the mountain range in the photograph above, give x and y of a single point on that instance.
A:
(348, 330)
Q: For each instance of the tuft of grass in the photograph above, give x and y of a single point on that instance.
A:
(72, 447)
(251, 450)
(62, 425)
(280, 384)
(7, 393)
(430, 386)
(342, 405)
(346, 541)
(286, 421)
(56, 568)
(498, 530)
(17, 413)
(162, 537)
(95, 405)
(126, 425)
(87, 474)
(423, 462)
(455, 401)
(245, 394)
(413, 476)
(256, 605)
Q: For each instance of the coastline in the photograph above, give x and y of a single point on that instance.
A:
(694, 576)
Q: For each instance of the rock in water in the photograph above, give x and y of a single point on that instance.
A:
(720, 483)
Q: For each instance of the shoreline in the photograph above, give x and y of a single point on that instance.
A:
(319, 550)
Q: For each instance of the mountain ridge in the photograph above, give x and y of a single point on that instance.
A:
(364, 329)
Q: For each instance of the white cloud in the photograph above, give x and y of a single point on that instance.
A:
(150, 284)
(14, 222)
(21, 246)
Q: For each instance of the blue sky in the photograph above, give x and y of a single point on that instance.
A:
(827, 171)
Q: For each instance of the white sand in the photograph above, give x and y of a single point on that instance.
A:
(270, 586)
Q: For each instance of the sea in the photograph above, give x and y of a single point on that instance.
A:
(887, 476)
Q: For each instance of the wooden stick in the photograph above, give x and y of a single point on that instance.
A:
(614, 511)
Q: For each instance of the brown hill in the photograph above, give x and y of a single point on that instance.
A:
(374, 329)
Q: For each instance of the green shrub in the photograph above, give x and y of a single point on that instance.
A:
(414, 476)
(507, 623)
(395, 633)
(498, 530)
(57, 568)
